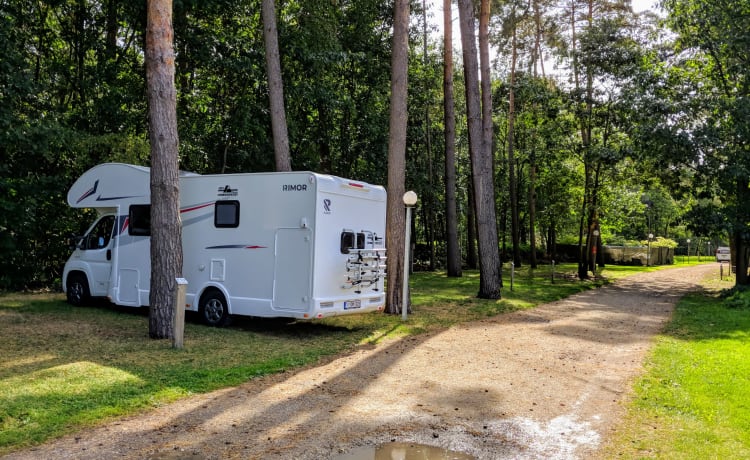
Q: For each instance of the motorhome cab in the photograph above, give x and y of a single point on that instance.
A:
(294, 244)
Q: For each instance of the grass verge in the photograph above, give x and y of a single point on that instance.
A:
(692, 401)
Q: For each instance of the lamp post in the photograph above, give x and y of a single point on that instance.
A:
(594, 249)
(648, 256)
(410, 199)
(688, 242)
(708, 253)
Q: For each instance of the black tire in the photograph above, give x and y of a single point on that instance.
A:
(77, 289)
(213, 309)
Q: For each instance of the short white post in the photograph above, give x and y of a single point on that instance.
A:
(553, 271)
(178, 314)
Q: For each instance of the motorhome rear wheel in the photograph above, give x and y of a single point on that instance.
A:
(213, 309)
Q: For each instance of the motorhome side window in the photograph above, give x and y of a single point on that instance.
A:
(100, 235)
(351, 240)
(139, 216)
(227, 214)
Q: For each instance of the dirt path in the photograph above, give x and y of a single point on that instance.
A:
(543, 383)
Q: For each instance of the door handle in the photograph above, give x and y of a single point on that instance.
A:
(109, 254)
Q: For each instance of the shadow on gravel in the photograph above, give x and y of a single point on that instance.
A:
(619, 313)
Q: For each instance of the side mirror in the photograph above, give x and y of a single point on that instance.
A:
(73, 241)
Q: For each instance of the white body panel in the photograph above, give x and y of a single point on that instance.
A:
(723, 254)
(283, 258)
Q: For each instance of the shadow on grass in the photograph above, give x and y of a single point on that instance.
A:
(707, 317)
(49, 335)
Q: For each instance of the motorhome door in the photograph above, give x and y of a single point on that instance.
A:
(292, 269)
(96, 250)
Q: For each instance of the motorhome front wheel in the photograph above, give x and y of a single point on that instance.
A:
(213, 309)
(77, 289)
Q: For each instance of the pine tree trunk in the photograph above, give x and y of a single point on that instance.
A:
(397, 160)
(740, 242)
(532, 210)
(471, 230)
(451, 215)
(275, 88)
(515, 225)
(166, 230)
(482, 171)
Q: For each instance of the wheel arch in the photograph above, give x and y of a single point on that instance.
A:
(208, 287)
(75, 271)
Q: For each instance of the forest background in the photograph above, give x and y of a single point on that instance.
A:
(604, 119)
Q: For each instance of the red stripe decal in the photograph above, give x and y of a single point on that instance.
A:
(199, 206)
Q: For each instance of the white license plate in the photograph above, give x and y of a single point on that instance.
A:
(352, 304)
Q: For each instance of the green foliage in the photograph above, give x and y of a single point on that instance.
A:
(73, 96)
(661, 242)
(622, 241)
(647, 129)
(699, 127)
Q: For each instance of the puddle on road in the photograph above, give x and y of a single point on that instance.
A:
(403, 451)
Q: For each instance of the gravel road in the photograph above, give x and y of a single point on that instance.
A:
(550, 382)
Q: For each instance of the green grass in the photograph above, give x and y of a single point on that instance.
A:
(63, 368)
(693, 401)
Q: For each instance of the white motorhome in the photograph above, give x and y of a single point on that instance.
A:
(293, 244)
(723, 254)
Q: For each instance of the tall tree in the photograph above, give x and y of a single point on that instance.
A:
(598, 49)
(715, 127)
(451, 215)
(485, 77)
(275, 87)
(490, 277)
(429, 197)
(166, 230)
(515, 226)
(396, 215)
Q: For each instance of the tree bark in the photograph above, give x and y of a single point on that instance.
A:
(515, 227)
(166, 229)
(275, 88)
(532, 210)
(584, 121)
(451, 215)
(537, 55)
(112, 25)
(396, 214)
(482, 171)
(471, 230)
(430, 224)
(738, 234)
(485, 78)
